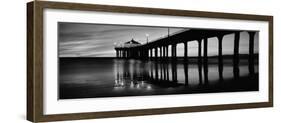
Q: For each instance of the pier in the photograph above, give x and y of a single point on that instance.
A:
(160, 47)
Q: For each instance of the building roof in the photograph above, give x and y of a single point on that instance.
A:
(132, 42)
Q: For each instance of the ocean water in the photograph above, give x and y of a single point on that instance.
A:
(111, 77)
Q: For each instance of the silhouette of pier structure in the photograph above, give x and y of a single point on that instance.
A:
(145, 51)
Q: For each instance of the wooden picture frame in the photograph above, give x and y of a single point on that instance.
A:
(35, 60)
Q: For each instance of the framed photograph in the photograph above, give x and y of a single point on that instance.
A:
(89, 61)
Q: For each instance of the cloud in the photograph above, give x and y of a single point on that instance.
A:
(97, 40)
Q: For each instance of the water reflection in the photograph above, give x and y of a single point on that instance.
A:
(119, 77)
(141, 74)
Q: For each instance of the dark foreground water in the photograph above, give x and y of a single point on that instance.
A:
(92, 77)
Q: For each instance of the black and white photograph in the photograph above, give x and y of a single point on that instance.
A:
(90, 60)
(99, 60)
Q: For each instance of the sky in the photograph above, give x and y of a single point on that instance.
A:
(98, 40)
